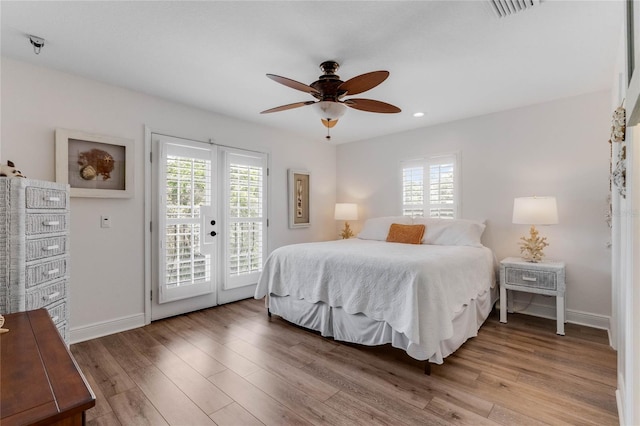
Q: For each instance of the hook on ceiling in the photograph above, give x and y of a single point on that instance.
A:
(37, 43)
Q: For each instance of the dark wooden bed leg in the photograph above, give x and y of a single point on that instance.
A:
(269, 312)
(427, 368)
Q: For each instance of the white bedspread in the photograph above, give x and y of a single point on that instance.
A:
(417, 289)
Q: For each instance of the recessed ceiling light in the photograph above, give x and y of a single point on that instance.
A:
(418, 114)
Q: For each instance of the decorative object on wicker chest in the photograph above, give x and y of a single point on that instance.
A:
(2, 330)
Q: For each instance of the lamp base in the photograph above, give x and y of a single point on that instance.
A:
(531, 248)
(346, 232)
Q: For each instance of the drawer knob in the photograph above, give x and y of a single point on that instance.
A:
(50, 248)
(53, 199)
(51, 223)
(51, 296)
(53, 271)
(532, 279)
(55, 319)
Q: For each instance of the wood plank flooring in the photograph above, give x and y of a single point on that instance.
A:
(232, 365)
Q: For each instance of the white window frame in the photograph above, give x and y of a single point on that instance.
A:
(426, 163)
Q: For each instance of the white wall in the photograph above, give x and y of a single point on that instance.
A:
(558, 148)
(107, 271)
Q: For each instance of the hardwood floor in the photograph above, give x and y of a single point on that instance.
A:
(232, 365)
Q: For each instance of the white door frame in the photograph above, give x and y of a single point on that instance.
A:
(148, 209)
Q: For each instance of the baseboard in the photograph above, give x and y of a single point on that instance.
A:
(99, 329)
(575, 317)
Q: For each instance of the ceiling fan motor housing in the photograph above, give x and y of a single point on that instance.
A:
(328, 83)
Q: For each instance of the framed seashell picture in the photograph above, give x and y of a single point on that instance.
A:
(94, 165)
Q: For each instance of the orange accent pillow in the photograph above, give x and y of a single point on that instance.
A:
(407, 234)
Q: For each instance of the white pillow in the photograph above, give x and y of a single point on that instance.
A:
(451, 232)
(378, 228)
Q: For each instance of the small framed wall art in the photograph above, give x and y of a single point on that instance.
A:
(94, 165)
(299, 197)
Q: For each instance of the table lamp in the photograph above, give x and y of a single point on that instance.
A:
(534, 211)
(346, 212)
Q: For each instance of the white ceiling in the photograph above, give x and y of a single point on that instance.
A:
(448, 59)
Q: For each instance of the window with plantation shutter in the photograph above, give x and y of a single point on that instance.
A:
(430, 187)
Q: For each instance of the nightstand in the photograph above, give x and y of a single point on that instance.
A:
(541, 278)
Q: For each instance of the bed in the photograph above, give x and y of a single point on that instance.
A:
(426, 299)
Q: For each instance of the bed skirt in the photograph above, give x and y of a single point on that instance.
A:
(358, 328)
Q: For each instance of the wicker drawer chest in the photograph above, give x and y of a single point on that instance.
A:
(34, 248)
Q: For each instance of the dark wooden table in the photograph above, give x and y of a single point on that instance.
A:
(40, 382)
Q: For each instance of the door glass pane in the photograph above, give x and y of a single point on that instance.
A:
(245, 218)
(188, 188)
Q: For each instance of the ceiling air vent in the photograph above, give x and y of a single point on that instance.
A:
(504, 8)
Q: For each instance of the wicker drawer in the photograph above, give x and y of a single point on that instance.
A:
(531, 278)
(47, 271)
(46, 223)
(46, 247)
(44, 198)
(58, 312)
(37, 298)
(62, 329)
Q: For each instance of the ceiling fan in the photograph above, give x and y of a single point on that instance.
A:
(329, 92)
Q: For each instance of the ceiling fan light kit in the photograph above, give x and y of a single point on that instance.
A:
(329, 91)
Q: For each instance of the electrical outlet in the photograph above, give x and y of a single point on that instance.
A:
(105, 222)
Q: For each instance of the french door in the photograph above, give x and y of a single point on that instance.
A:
(209, 204)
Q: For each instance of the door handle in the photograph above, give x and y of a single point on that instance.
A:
(213, 222)
(213, 233)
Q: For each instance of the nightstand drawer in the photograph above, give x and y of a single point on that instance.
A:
(531, 278)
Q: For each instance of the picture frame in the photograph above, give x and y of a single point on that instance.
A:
(93, 165)
(299, 198)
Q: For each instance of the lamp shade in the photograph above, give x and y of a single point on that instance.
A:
(346, 211)
(535, 211)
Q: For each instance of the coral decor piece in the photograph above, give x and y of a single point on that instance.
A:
(618, 125)
(619, 174)
(531, 248)
(346, 232)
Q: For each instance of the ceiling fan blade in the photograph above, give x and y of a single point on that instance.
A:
(288, 106)
(372, 106)
(329, 124)
(293, 84)
(363, 82)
